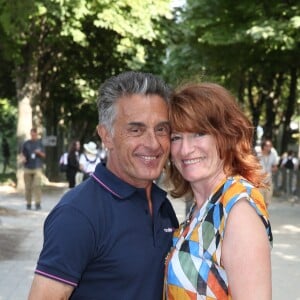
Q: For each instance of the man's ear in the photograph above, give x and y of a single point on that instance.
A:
(105, 136)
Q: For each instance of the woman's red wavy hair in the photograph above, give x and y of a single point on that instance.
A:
(211, 109)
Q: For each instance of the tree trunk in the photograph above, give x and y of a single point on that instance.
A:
(23, 129)
(27, 88)
(289, 110)
(255, 107)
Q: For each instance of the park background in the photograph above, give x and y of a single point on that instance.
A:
(54, 54)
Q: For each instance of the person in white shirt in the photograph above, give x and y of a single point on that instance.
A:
(89, 159)
(269, 160)
(290, 161)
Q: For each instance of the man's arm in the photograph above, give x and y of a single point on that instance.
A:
(40, 152)
(44, 288)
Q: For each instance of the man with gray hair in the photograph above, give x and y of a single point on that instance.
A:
(108, 237)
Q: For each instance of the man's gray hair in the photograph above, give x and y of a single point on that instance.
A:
(126, 84)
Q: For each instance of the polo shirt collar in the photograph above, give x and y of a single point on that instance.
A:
(118, 187)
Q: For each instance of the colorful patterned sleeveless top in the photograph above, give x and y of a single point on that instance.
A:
(194, 269)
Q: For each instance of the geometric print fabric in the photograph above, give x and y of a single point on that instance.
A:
(194, 269)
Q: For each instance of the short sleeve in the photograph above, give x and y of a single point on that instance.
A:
(69, 245)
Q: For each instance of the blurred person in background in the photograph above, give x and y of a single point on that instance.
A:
(33, 154)
(5, 154)
(269, 160)
(73, 162)
(290, 161)
(89, 159)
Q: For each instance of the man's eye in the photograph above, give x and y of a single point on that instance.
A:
(135, 131)
(163, 130)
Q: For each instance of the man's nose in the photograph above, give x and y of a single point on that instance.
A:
(151, 139)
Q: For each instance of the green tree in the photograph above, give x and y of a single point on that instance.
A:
(62, 50)
(250, 46)
(8, 118)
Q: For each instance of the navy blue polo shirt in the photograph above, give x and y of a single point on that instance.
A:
(101, 239)
(33, 161)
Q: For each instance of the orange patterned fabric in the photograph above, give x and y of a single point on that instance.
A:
(194, 270)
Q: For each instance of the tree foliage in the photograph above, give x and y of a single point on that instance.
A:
(8, 118)
(61, 50)
(250, 46)
(54, 54)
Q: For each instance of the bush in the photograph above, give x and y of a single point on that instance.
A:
(8, 179)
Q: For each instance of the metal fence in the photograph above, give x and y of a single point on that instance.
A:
(287, 184)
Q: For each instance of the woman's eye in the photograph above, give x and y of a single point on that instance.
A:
(199, 134)
(175, 138)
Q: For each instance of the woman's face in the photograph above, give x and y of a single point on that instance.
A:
(196, 156)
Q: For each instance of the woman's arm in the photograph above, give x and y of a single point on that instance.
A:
(246, 254)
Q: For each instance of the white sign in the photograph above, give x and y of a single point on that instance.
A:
(50, 141)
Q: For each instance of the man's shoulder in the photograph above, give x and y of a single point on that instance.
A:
(26, 142)
(40, 143)
(85, 203)
(85, 194)
(274, 156)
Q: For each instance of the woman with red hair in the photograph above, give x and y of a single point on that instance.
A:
(222, 250)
